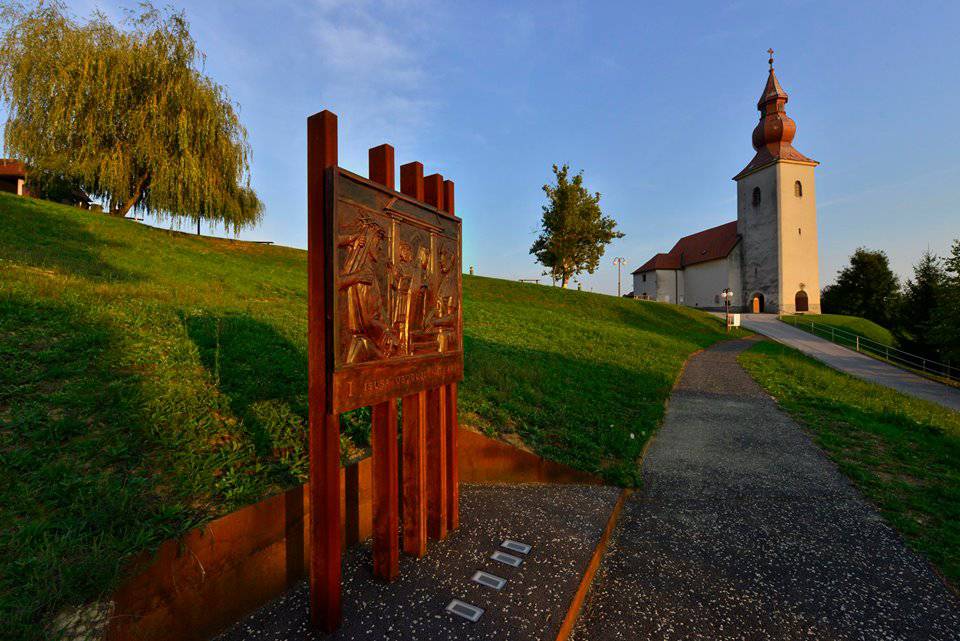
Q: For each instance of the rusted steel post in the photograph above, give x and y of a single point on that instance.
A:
(415, 474)
(433, 190)
(381, 165)
(448, 197)
(453, 477)
(325, 543)
(414, 425)
(411, 180)
(351, 500)
(437, 427)
(386, 491)
(386, 508)
(437, 524)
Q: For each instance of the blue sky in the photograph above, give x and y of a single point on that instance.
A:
(654, 101)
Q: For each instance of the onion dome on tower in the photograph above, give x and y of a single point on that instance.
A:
(773, 135)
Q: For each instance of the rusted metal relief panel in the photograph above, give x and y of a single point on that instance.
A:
(397, 325)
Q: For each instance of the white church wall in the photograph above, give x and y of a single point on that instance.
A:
(669, 286)
(703, 283)
(645, 285)
(799, 263)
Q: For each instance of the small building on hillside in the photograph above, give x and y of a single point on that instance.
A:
(13, 176)
(768, 256)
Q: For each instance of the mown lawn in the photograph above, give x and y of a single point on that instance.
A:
(903, 453)
(852, 324)
(151, 381)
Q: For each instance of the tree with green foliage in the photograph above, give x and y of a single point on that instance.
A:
(922, 295)
(945, 324)
(575, 232)
(126, 111)
(867, 288)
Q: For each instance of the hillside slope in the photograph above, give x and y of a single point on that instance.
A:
(152, 380)
(852, 324)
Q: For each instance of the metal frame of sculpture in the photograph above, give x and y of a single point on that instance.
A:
(385, 322)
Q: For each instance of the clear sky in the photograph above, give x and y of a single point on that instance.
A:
(655, 101)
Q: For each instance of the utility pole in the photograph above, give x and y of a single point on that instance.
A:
(619, 261)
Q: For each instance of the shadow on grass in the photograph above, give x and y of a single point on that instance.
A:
(591, 415)
(45, 236)
(575, 411)
(76, 497)
(264, 376)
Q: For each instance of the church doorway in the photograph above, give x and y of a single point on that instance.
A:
(802, 303)
(758, 303)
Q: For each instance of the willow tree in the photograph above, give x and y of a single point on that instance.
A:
(126, 111)
(575, 232)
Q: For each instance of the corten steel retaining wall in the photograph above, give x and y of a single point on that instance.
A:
(485, 460)
(195, 586)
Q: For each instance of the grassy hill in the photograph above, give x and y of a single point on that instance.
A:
(852, 324)
(152, 380)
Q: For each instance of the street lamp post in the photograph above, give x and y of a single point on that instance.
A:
(727, 295)
(619, 261)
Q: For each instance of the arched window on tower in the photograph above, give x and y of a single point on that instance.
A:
(798, 189)
(756, 196)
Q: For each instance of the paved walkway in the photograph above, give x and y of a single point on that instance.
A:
(851, 362)
(745, 530)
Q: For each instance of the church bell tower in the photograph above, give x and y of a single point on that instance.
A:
(777, 215)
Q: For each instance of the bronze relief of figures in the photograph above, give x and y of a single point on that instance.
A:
(364, 256)
(398, 287)
(448, 296)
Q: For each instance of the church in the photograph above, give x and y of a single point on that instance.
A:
(767, 257)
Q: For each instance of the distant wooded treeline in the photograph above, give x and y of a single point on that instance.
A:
(923, 313)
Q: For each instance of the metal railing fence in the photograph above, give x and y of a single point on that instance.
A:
(897, 357)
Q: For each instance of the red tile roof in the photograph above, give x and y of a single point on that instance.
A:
(660, 261)
(709, 244)
(12, 168)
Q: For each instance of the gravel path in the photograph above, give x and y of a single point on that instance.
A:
(851, 362)
(745, 530)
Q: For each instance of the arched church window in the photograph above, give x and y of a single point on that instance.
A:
(756, 196)
(798, 189)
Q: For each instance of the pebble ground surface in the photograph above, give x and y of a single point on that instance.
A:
(745, 530)
(563, 523)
